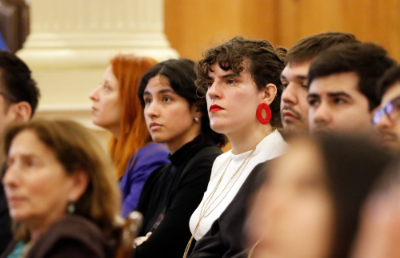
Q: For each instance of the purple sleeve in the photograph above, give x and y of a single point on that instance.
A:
(147, 160)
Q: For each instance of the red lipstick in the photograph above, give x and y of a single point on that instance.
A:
(215, 108)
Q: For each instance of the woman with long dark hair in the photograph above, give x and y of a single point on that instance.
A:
(176, 116)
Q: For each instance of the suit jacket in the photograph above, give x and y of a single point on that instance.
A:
(71, 236)
(227, 234)
(5, 221)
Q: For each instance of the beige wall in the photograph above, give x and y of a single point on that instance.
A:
(194, 25)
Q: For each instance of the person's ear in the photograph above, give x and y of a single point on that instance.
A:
(196, 111)
(269, 93)
(19, 112)
(80, 181)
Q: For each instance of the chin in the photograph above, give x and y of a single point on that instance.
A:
(218, 127)
(159, 138)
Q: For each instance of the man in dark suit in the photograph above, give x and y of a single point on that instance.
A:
(18, 101)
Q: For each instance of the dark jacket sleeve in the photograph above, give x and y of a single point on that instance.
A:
(227, 234)
(72, 237)
(5, 221)
(211, 244)
(75, 248)
(174, 228)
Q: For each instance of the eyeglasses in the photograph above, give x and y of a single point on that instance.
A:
(392, 110)
(8, 96)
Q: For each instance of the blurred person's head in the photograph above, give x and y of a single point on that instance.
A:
(240, 76)
(53, 165)
(387, 116)
(117, 108)
(310, 204)
(378, 235)
(342, 87)
(19, 95)
(174, 112)
(294, 105)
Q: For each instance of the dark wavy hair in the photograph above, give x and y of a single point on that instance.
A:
(369, 61)
(391, 77)
(17, 81)
(309, 47)
(266, 65)
(181, 76)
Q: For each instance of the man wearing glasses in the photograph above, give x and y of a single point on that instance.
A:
(387, 117)
(18, 101)
(342, 87)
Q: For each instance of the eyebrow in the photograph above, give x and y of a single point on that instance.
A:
(338, 94)
(229, 75)
(312, 95)
(297, 77)
(145, 93)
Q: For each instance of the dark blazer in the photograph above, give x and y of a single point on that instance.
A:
(227, 234)
(72, 236)
(5, 221)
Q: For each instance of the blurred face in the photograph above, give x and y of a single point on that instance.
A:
(294, 105)
(36, 185)
(168, 116)
(106, 109)
(292, 216)
(337, 105)
(388, 125)
(232, 101)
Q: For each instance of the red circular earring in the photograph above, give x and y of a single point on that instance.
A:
(263, 120)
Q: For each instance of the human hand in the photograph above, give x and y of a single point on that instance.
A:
(140, 240)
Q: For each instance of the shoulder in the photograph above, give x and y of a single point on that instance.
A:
(151, 152)
(278, 141)
(73, 233)
(223, 157)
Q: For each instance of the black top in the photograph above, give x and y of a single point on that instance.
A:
(227, 235)
(176, 195)
(71, 236)
(5, 221)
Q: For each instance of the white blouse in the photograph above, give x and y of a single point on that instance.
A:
(236, 168)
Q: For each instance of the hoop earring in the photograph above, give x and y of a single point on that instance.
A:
(263, 120)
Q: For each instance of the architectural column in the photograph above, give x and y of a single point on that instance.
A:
(71, 42)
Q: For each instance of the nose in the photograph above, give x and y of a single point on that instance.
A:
(214, 91)
(384, 123)
(10, 177)
(289, 95)
(319, 115)
(94, 94)
(152, 109)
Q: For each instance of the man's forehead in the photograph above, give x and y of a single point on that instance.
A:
(391, 93)
(340, 82)
(296, 71)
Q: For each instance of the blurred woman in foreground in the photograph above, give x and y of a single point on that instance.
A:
(60, 192)
(310, 205)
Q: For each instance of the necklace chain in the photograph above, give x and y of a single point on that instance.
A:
(205, 215)
(204, 208)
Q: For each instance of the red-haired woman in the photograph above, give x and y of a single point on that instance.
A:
(117, 108)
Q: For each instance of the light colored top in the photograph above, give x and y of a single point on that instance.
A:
(270, 147)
